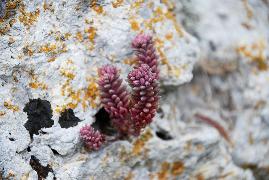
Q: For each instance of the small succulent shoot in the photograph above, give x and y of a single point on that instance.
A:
(144, 97)
(145, 52)
(114, 97)
(92, 138)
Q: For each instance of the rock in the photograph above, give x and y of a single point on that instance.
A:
(227, 31)
(50, 53)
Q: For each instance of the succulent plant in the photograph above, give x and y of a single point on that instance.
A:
(92, 138)
(129, 112)
(145, 97)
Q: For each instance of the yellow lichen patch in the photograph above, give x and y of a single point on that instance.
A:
(90, 94)
(137, 4)
(134, 24)
(91, 32)
(255, 52)
(53, 50)
(96, 7)
(130, 61)
(8, 104)
(61, 37)
(169, 36)
(66, 73)
(163, 174)
(47, 48)
(167, 169)
(177, 168)
(79, 36)
(28, 18)
(161, 15)
(117, 3)
(51, 59)
(140, 143)
(200, 177)
(35, 85)
(84, 96)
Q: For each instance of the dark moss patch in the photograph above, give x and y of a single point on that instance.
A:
(42, 171)
(68, 119)
(39, 115)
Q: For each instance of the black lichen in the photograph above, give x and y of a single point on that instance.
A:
(42, 171)
(39, 115)
(68, 119)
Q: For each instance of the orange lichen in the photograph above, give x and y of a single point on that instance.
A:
(137, 4)
(35, 85)
(169, 36)
(167, 169)
(117, 3)
(177, 168)
(96, 7)
(10, 106)
(163, 174)
(28, 18)
(255, 52)
(90, 94)
(51, 59)
(139, 144)
(47, 48)
(130, 61)
(52, 50)
(79, 36)
(66, 73)
(134, 24)
(91, 32)
(85, 96)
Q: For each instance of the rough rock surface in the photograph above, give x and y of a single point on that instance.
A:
(52, 49)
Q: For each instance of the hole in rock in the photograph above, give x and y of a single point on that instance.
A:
(164, 135)
(42, 171)
(11, 139)
(103, 123)
(54, 151)
(28, 149)
(39, 115)
(68, 119)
